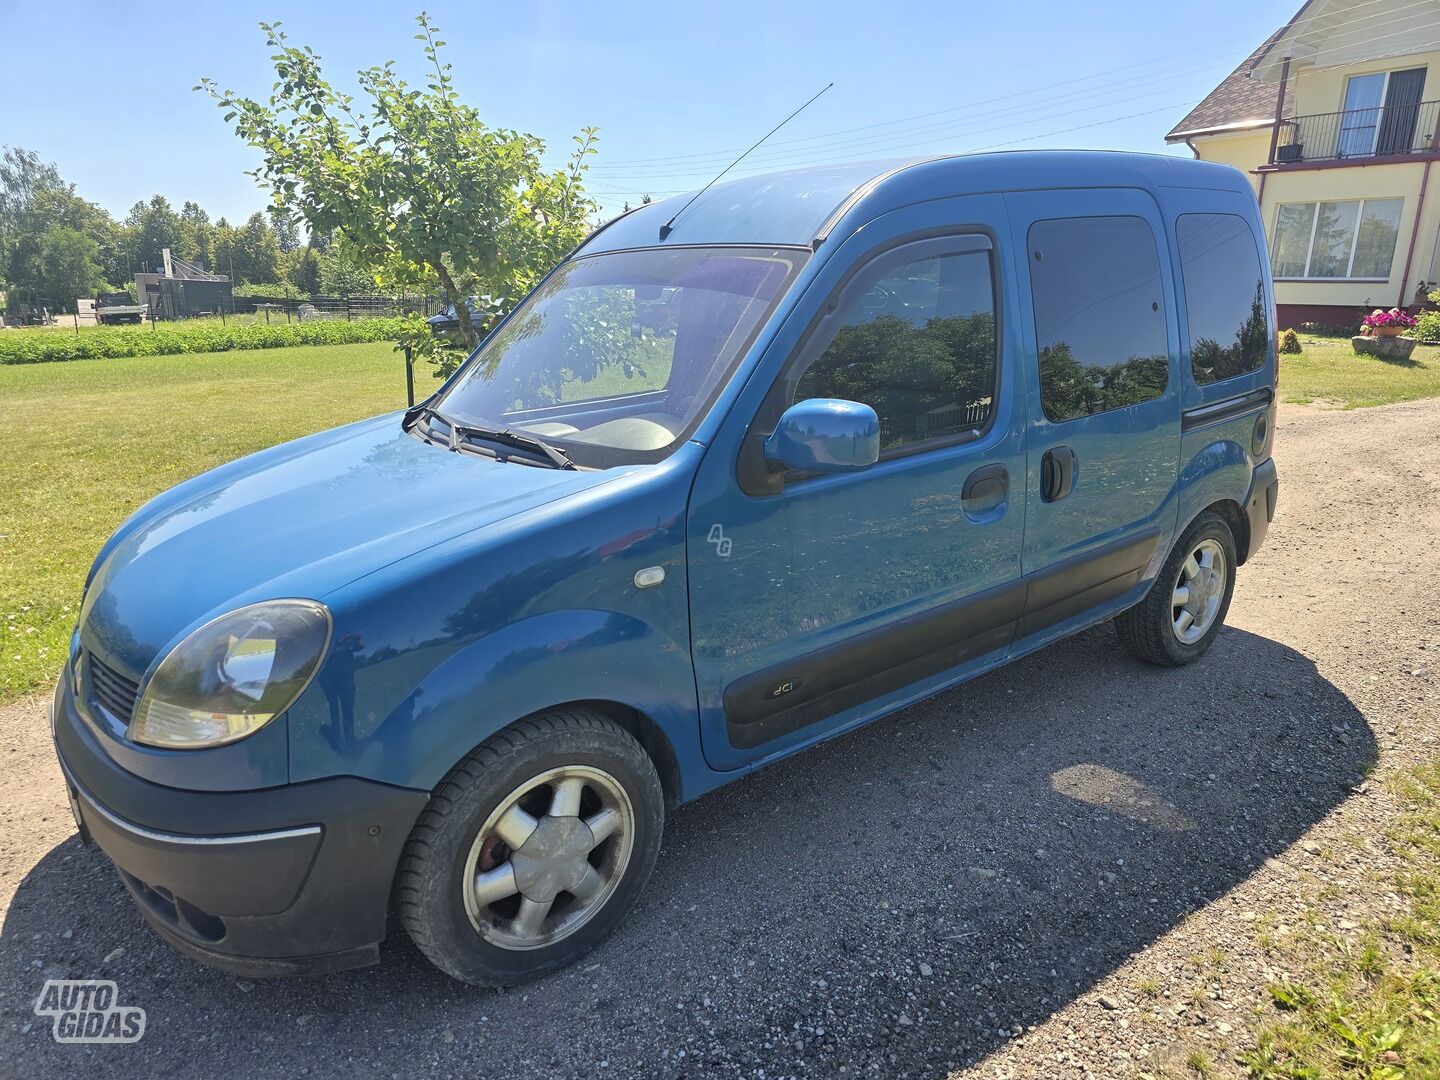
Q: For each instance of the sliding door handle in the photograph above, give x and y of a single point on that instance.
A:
(1057, 473)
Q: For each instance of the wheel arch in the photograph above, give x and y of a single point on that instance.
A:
(1230, 512)
(1216, 477)
(650, 735)
(633, 671)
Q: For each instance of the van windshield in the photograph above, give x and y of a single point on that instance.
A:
(616, 357)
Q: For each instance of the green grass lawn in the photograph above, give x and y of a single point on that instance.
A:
(82, 444)
(1367, 1004)
(1329, 372)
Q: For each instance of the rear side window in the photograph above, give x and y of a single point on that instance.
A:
(1099, 315)
(915, 340)
(1224, 296)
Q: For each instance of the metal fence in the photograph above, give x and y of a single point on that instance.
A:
(338, 307)
(1388, 131)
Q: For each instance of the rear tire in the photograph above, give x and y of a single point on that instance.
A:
(485, 883)
(1200, 572)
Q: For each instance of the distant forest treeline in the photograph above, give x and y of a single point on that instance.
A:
(56, 245)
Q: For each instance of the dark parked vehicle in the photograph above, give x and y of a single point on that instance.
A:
(483, 311)
(739, 475)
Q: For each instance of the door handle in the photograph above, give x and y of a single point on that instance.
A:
(1057, 473)
(989, 484)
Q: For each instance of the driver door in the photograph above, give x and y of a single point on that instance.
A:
(818, 602)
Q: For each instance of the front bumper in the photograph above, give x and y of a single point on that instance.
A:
(279, 881)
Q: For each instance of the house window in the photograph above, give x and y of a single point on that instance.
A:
(1336, 240)
(1381, 111)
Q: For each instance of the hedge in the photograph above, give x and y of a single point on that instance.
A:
(163, 339)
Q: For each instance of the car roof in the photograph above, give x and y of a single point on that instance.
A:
(798, 207)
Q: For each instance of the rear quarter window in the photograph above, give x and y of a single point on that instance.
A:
(1224, 296)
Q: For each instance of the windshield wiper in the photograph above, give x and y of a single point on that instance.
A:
(517, 439)
(488, 433)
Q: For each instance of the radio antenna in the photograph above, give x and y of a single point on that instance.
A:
(668, 227)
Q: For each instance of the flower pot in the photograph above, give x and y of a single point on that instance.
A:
(1387, 331)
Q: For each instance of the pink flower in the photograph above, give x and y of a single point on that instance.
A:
(1394, 317)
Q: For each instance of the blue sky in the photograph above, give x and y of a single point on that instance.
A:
(104, 89)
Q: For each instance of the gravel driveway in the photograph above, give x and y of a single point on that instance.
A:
(979, 882)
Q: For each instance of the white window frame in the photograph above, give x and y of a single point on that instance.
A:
(1378, 110)
(1354, 237)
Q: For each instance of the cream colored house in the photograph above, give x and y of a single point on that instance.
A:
(1337, 120)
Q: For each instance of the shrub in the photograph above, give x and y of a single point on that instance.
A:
(1289, 342)
(1330, 330)
(270, 289)
(1427, 326)
(198, 336)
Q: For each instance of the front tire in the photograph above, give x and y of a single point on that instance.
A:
(532, 849)
(1182, 613)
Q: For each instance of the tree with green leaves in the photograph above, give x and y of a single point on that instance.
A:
(69, 264)
(196, 234)
(302, 270)
(154, 226)
(257, 251)
(37, 211)
(286, 232)
(344, 273)
(421, 188)
(24, 179)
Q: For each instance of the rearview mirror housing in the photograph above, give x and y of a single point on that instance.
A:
(825, 435)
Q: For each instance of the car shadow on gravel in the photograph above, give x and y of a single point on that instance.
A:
(906, 897)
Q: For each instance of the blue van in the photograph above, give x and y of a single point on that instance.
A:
(740, 475)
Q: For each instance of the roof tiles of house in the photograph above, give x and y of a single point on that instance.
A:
(1239, 101)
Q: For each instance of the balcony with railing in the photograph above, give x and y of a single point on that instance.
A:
(1392, 131)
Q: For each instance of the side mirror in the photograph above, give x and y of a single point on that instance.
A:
(825, 435)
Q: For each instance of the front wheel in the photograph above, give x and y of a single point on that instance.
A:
(1183, 612)
(532, 850)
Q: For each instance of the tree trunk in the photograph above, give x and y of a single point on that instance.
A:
(462, 306)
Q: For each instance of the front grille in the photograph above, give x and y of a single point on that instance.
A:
(115, 693)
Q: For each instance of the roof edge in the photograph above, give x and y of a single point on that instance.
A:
(1222, 129)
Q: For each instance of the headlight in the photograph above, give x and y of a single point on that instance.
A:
(233, 676)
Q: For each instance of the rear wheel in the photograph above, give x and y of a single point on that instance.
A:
(532, 849)
(1183, 612)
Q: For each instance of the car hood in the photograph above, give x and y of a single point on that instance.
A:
(301, 519)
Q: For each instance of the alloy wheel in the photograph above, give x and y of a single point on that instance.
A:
(1198, 592)
(548, 857)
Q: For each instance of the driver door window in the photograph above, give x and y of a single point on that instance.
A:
(914, 338)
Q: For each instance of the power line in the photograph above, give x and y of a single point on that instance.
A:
(1353, 30)
(910, 137)
(992, 146)
(1409, 49)
(929, 135)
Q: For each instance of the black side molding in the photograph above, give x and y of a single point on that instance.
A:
(787, 697)
(1056, 593)
(790, 696)
(1228, 409)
